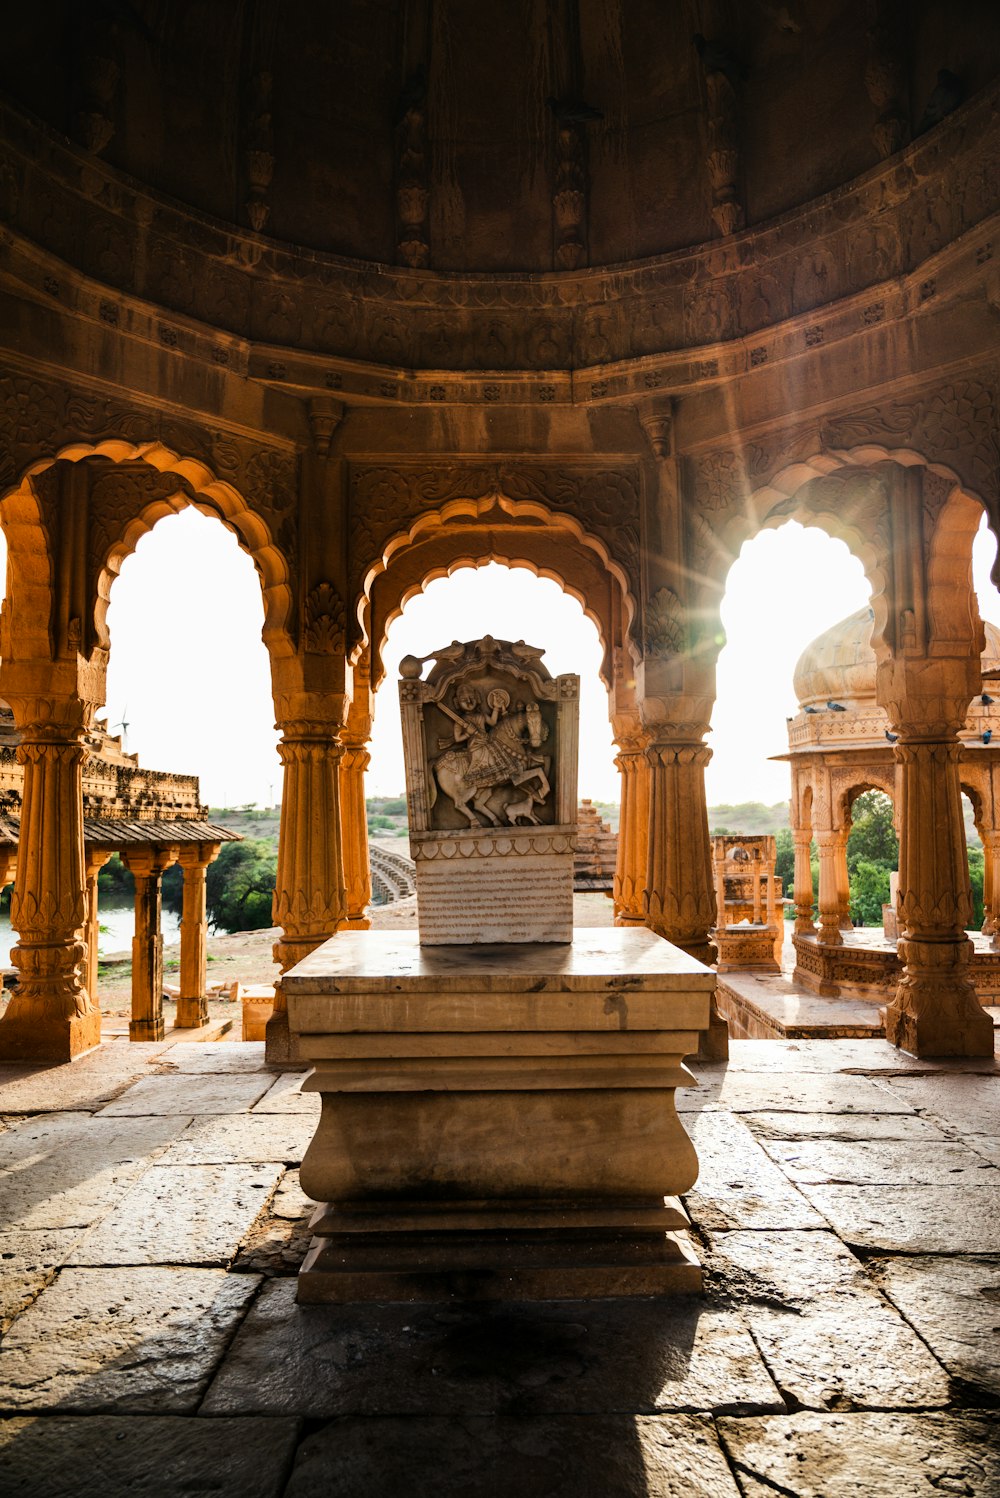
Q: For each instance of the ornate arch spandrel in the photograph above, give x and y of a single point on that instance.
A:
(392, 505)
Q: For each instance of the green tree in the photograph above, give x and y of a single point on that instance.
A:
(976, 861)
(114, 881)
(873, 836)
(869, 892)
(784, 864)
(240, 886)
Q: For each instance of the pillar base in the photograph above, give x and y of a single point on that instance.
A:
(935, 1011)
(714, 1042)
(356, 923)
(281, 1048)
(192, 1014)
(147, 1029)
(32, 1037)
(511, 1264)
(627, 918)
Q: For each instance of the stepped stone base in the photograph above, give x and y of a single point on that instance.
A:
(498, 1120)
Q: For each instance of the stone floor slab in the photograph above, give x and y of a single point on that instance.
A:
(199, 1094)
(967, 1104)
(912, 1219)
(100, 1341)
(554, 1357)
(242, 1138)
(90, 1083)
(863, 1455)
(829, 1339)
(986, 1146)
(738, 1185)
(290, 1201)
(572, 1456)
(955, 1306)
(194, 1214)
(29, 1259)
(285, 1097)
(64, 1169)
(859, 1055)
(882, 1162)
(219, 1057)
(104, 1456)
(844, 1126)
(799, 1092)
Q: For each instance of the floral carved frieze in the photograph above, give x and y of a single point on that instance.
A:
(323, 622)
(956, 424)
(117, 497)
(663, 624)
(882, 227)
(40, 418)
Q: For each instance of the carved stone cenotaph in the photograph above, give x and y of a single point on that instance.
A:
(490, 747)
(498, 1113)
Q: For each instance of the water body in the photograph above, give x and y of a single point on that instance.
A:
(117, 927)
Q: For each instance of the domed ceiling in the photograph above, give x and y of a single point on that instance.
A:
(520, 135)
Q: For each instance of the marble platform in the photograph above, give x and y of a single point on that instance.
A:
(498, 1121)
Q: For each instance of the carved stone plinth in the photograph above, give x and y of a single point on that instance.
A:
(750, 946)
(497, 1120)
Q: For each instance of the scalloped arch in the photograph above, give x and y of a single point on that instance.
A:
(781, 498)
(510, 544)
(20, 516)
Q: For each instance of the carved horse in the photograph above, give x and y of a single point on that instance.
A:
(516, 737)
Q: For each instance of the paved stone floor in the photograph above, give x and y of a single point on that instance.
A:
(151, 1225)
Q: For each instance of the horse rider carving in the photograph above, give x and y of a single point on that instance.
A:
(491, 747)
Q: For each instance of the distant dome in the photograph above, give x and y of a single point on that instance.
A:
(840, 664)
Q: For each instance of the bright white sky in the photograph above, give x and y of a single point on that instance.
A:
(189, 673)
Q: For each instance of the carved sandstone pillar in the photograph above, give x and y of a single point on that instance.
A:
(51, 1016)
(96, 858)
(843, 879)
(310, 898)
(633, 833)
(803, 892)
(828, 843)
(679, 899)
(192, 1002)
(991, 885)
(935, 1011)
(146, 866)
(354, 822)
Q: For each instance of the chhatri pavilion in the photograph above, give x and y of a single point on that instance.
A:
(604, 290)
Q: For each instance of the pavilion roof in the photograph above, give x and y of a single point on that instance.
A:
(114, 832)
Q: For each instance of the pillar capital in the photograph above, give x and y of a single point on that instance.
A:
(149, 861)
(666, 752)
(197, 855)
